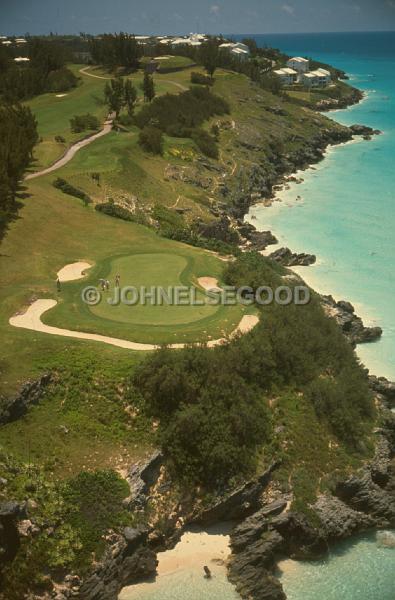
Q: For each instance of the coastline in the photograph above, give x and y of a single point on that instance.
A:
(318, 282)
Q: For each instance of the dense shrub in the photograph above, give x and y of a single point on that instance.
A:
(205, 142)
(179, 114)
(114, 210)
(67, 188)
(81, 123)
(207, 399)
(61, 80)
(93, 506)
(151, 139)
(201, 79)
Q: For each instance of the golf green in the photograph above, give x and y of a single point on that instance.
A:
(145, 271)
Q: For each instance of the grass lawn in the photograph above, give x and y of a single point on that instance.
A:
(55, 229)
(53, 113)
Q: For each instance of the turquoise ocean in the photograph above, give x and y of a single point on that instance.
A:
(346, 218)
(347, 213)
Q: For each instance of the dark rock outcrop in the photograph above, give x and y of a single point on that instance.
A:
(364, 130)
(385, 388)
(10, 512)
(238, 503)
(350, 324)
(285, 257)
(141, 477)
(30, 394)
(127, 561)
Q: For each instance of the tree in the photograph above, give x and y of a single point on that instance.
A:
(114, 93)
(151, 139)
(148, 87)
(209, 55)
(130, 96)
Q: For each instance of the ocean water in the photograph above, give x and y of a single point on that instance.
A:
(358, 569)
(347, 212)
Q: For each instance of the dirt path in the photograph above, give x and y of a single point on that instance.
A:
(84, 71)
(72, 151)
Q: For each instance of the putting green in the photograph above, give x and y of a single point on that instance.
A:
(150, 322)
(145, 271)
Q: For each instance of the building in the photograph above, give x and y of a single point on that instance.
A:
(7, 43)
(238, 50)
(317, 78)
(286, 75)
(20, 41)
(299, 64)
(21, 59)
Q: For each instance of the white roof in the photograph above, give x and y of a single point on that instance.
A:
(166, 41)
(299, 59)
(322, 71)
(227, 45)
(21, 59)
(7, 42)
(20, 41)
(311, 75)
(239, 51)
(142, 37)
(285, 71)
(3, 37)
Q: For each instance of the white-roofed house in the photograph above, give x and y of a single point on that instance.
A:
(20, 41)
(21, 59)
(301, 65)
(286, 75)
(7, 43)
(238, 50)
(317, 78)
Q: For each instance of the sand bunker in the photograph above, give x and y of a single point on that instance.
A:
(61, 95)
(209, 284)
(31, 319)
(73, 271)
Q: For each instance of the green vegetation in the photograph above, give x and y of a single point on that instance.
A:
(200, 79)
(81, 123)
(18, 136)
(151, 139)
(178, 115)
(120, 93)
(66, 188)
(45, 72)
(212, 404)
(116, 50)
(148, 87)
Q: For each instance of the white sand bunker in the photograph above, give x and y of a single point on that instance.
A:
(246, 324)
(73, 271)
(209, 284)
(61, 95)
(31, 319)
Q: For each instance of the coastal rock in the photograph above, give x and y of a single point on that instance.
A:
(385, 388)
(251, 528)
(124, 563)
(350, 324)
(259, 240)
(30, 394)
(237, 503)
(141, 477)
(364, 130)
(339, 521)
(285, 257)
(363, 495)
(222, 229)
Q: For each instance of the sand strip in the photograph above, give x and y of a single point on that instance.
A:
(31, 319)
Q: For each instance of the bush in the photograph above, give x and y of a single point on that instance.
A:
(94, 505)
(60, 139)
(178, 115)
(151, 139)
(201, 79)
(205, 142)
(61, 80)
(114, 210)
(67, 188)
(80, 123)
